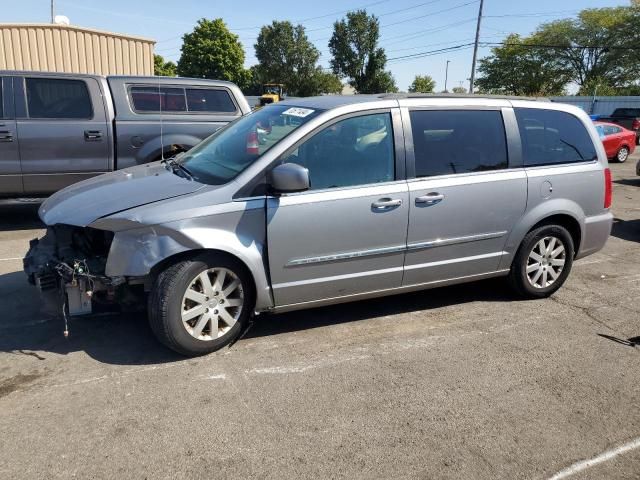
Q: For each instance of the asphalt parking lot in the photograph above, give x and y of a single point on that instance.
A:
(459, 382)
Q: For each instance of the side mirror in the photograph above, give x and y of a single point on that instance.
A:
(289, 178)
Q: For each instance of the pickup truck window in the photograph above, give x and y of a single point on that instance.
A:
(626, 112)
(209, 100)
(228, 152)
(153, 99)
(552, 137)
(58, 98)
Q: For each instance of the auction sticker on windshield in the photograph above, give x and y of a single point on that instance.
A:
(298, 112)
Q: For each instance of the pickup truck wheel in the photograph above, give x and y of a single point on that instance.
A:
(198, 306)
(622, 155)
(543, 262)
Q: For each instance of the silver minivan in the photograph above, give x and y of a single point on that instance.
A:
(324, 200)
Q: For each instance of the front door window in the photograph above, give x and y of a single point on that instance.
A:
(350, 152)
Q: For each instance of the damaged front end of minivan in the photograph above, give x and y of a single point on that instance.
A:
(68, 266)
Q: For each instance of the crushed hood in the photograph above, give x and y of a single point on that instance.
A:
(83, 203)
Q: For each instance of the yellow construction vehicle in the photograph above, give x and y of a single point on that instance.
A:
(271, 93)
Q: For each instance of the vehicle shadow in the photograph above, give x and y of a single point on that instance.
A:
(626, 229)
(19, 217)
(493, 290)
(126, 338)
(26, 326)
(633, 182)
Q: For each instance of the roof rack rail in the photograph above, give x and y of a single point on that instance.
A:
(461, 95)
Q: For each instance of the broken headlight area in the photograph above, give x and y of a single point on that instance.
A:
(68, 267)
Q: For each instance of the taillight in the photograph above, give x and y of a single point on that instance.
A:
(607, 188)
(253, 145)
(635, 125)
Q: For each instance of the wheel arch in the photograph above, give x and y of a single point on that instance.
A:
(144, 252)
(191, 254)
(562, 212)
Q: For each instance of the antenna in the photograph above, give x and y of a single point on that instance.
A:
(160, 109)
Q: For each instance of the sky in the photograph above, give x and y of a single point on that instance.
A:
(408, 27)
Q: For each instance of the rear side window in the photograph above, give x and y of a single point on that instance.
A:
(458, 141)
(154, 99)
(209, 100)
(1, 97)
(58, 98)
(551, 137)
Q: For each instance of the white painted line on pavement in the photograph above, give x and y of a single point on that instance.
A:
(8, 259)
(603, 457)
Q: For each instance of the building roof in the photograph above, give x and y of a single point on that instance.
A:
(55, 26)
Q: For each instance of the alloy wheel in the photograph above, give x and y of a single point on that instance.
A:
(623, 154)
(546, 262)
(212, 304)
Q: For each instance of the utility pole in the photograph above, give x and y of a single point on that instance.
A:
(475, 49)
(446, 75)
(53, 14)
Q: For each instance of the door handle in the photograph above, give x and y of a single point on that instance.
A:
(429, 199)
(6, 136)
(386, 203)
(92, 135)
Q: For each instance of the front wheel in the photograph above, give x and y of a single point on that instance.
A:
(198, 306)
(543, 262)
(622, 155)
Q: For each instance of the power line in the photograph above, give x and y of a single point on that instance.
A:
(386, 14)
(429, 14)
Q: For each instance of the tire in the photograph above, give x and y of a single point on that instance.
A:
(188, 325)
(622, 155)
(525, 284)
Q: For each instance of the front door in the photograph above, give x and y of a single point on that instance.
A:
(465, 199)
(63, 132)
(10, 174)
(347, 234)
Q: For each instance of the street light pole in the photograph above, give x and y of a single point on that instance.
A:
(446, 75)
(475, 48)
(53, 15)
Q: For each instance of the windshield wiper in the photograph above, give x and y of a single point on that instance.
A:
(175, 165)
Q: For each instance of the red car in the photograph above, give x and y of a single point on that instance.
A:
(618, 142)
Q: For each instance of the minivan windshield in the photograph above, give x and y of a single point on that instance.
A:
(228, 152)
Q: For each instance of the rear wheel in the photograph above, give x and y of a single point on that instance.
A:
(622, 155)
(199, 306)
(543, 262)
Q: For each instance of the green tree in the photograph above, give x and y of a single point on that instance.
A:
(286, 56)
(161, 68)
(357, 56)
(422, 84)
(459, 90)
(598, 43)
(517, 68)
(212, 51)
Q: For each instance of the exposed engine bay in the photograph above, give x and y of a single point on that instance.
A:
(68, 267)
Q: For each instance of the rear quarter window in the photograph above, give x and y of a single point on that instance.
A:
(551, 137)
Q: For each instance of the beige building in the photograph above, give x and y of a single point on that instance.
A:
(67, 48)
